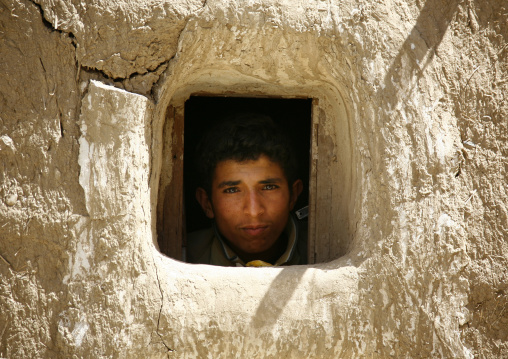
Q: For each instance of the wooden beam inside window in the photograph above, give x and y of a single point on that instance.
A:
(172, 233)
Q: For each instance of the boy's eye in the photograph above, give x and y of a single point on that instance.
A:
(270, 186)
(231, 190)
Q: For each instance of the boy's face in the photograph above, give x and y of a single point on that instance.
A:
(250, 202)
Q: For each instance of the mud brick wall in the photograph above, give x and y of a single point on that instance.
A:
(414, 101)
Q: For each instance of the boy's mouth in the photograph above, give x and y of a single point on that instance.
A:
(254, 230)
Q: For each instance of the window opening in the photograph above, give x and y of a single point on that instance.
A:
(201, 113)
(179, 212)
(327, 169)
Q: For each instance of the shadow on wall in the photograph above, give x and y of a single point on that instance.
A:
(277, 296)
(430, 27)
(407, 69)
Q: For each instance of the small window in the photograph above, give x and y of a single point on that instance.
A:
(323, 169)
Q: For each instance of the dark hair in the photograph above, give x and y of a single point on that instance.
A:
(240, 138)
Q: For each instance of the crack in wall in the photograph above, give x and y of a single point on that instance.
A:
(130, 77)
(122, 82)
(50, 26)
(104, 77)
(158, 85)
(160, 309)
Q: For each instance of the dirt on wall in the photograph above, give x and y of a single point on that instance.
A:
(84, 88)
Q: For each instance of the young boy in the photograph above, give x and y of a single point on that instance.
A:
(249, 188)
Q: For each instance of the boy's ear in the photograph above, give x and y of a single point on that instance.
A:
(297, 188)
(204, 201)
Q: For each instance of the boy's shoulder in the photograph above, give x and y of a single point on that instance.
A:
(199, 244)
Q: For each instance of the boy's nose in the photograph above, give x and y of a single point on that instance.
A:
(253, 204)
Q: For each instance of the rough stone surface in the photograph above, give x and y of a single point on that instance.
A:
(84, 86)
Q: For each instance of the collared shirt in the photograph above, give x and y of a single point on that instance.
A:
(208, 247)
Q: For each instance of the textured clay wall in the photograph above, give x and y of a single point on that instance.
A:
(84, 87)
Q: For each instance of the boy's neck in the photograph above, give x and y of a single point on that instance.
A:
(271, 255)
